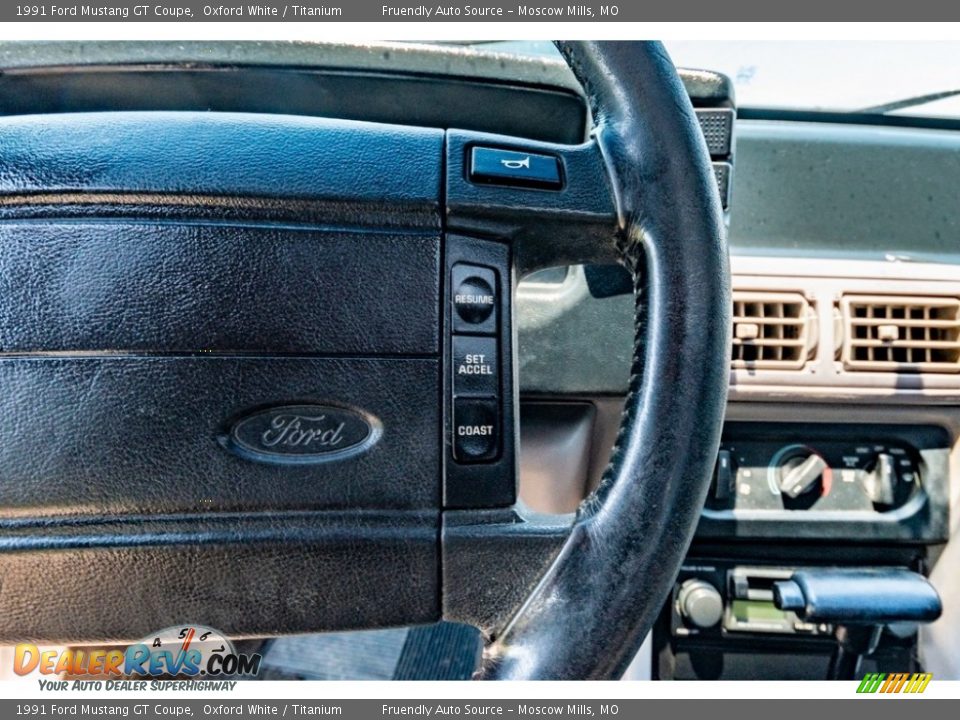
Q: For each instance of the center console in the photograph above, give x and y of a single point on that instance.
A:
(801, 497)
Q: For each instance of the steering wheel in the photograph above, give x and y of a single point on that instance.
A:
(232, 347)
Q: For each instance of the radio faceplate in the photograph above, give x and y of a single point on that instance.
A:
(731, 629)
(743, 598)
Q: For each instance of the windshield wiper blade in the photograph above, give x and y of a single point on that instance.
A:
(908, 102)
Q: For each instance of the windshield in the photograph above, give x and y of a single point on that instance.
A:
(846, 76)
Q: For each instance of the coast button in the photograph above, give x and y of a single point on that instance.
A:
(475, 366)
(476, 430)
(474, 298)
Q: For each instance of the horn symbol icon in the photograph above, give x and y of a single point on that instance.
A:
(517, 164)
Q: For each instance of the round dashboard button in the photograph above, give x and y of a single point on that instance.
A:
(700, 603)
(474, 300)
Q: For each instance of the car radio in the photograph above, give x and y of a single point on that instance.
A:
(721, 622)
(720, 599)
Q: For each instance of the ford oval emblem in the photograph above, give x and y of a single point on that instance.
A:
(303, 434)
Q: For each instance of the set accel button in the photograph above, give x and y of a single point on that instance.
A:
(475, 366)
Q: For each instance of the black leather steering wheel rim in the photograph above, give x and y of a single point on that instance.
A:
(597, 601)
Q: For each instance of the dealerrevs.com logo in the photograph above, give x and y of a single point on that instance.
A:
(188, 652)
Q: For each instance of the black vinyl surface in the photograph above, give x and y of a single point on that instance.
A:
(535, 111)
(190, 288)
(247, 577)
(104, 436)
(169, 281)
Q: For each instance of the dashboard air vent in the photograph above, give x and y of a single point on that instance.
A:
(772, 330)
(901, 333)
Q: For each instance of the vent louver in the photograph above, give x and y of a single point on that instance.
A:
(901, 333)
(772, 330)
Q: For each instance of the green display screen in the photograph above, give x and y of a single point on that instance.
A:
(756, 610)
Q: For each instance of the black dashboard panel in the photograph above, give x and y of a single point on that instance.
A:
(204, 365)
(530, 111)
(134, 435)
(216, 288)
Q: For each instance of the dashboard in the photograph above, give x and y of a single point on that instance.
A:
(842, 441)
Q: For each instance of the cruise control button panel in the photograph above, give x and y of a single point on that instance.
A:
(474, 363)
(479, 398)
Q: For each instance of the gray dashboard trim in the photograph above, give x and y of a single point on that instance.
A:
(846, 191)
(819, 209)
(572, 343)
(459, 61)
(451, 62)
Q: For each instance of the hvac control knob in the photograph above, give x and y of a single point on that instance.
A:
(880, 482)
(699, 603)
(801, 474)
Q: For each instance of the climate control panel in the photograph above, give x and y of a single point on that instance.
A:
(825, 474)
(835, 478)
